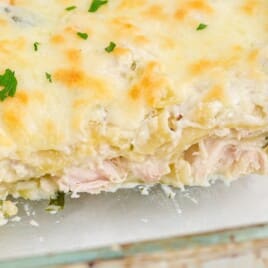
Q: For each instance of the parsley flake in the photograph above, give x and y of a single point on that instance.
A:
(36, 45)
(111, 47)
(82, 35)
(49, 78)
(9, 83)
(201, 26)
(70, 8)
(96, 4)
(133, 66)
(56, 203)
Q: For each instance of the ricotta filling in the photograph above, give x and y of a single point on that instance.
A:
(99, 176)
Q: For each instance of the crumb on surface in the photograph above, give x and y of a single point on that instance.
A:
(34, 223)
(16, 219)
(144, 190)
(168, 191)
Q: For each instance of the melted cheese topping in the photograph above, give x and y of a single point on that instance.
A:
(216, 77)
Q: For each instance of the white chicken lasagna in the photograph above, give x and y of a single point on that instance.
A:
(98, 95)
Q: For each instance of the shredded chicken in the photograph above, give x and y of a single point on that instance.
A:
(211, 156)
(225, 157)
(95, 177)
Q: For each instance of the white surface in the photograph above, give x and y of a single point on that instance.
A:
(127, 216)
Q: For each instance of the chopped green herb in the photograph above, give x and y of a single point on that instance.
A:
(9, 83)
(133, 66)
(56, 203)
(201, 26)
(36, 45)
(111, 47)
(83, 35)
(49, 78)
(70, 8)
(96, 4)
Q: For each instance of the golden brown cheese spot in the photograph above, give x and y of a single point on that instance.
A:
(122, 28)
(188, 7)
(201, 66)
(22, 97)
(141, 40)
(77, 79)
(200, 5)
(237, 49)
(146, 83)
(3, 22)
(72, 78)
(226, 61)
(230, 59)
(180, 14)
(7, 46)
(50, 128)
(217, 93)
(253, 55)
(20, 100)
(78, 103)
(135, 92)
(57, 39)
(250, 6)
(168, 42)
(70, 30)
(123, 24)
(155, 12)
(131, 4)
(12, 118)
(12, 2)
(149, 87)
(73, 56)
(120, 51)
(5, 141)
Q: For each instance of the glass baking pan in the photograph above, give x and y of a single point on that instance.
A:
(135, 222)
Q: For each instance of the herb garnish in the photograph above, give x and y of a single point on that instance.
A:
(49, 78)
(9, 83)
(36, 45)
(56, 203)
(201, 26)
(111, 47)
(96, 4)
(70, 8)
(82, 35)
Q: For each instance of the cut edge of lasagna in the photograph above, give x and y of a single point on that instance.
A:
(97, 97)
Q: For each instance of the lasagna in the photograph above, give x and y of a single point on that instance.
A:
(98, 95)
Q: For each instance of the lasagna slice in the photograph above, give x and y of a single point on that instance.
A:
(100, 95)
